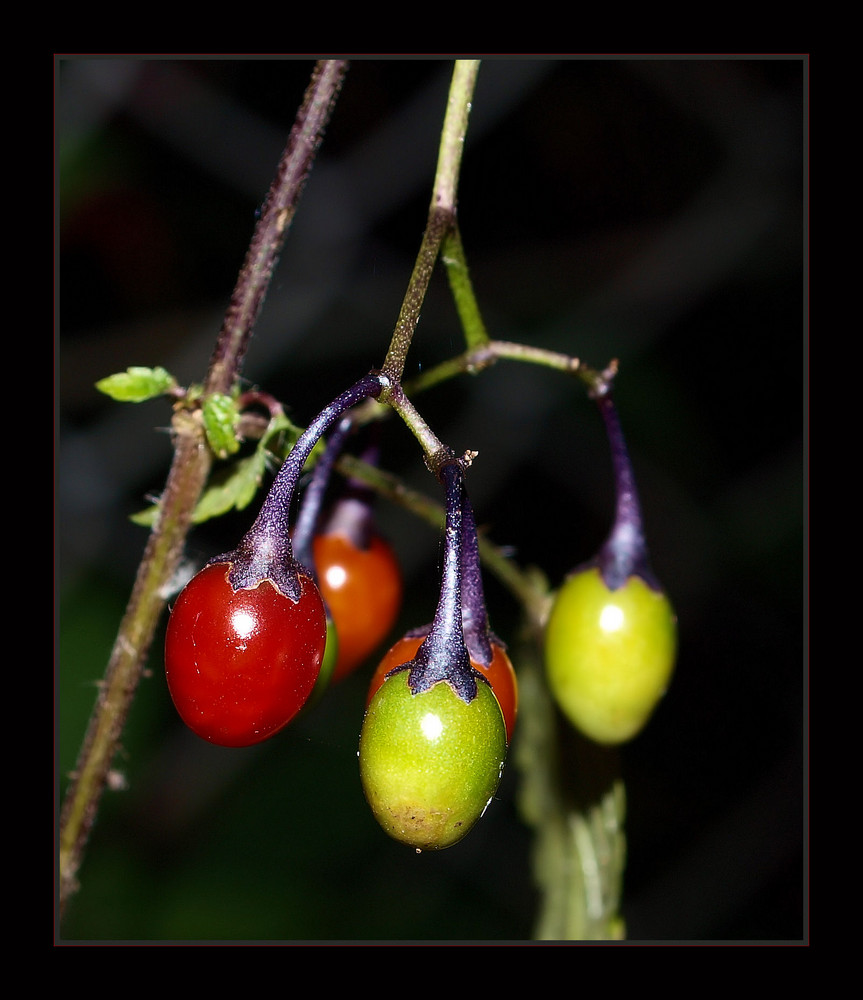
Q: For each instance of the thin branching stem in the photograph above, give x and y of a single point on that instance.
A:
(442, 213)
(461, 287)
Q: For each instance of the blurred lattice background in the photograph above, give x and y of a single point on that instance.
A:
(650, 210)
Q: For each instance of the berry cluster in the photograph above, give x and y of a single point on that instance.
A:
(262, 630)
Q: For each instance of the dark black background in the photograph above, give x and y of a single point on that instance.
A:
(645, 209)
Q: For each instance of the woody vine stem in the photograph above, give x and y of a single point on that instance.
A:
(193, 458)
(186, 478)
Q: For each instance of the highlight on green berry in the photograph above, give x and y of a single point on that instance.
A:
(611, 636)
(430, 762)
(609, 654)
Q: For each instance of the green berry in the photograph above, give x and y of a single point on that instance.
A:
(609, 654)
(430, 762)
(328, 665)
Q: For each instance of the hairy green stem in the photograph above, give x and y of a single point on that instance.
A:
(191, 465)
(571, 793)
(475, 359)
(434, 450)
(461, 287)
(442, 213)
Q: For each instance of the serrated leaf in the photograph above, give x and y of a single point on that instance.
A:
(231, 488)
(234, 486)
(220, 424)
(137, 384)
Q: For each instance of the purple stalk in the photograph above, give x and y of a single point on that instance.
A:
(473, 609)
(313, 497)
(352, 513)
(624, 553)
(265, 552)
(443, 655)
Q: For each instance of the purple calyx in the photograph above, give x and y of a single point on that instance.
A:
(443, 654)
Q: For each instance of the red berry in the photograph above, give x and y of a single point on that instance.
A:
(241, 664)
(500, 675)
(362, 588)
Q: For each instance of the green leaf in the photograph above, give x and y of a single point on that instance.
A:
(280, 425)
(234, 486)
(220, 424)
(137, 384)
(231, 488)
(145, 518)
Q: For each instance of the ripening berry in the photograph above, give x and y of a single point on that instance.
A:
(430, 762)
(609, 653)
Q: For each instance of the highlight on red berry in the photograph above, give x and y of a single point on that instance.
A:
(240, 664)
